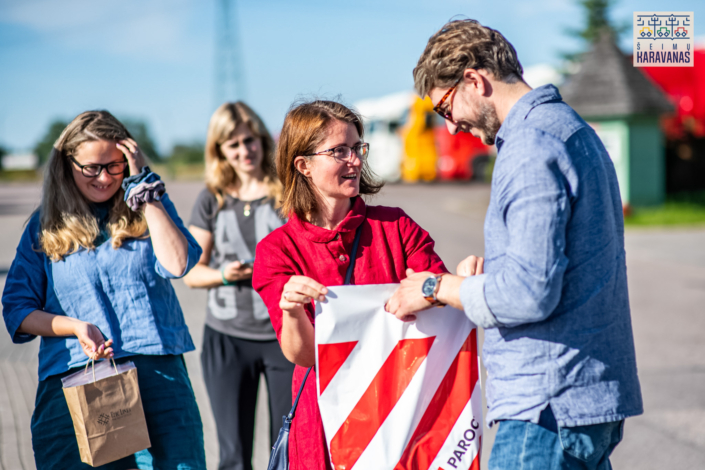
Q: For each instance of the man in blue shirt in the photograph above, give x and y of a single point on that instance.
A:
(553, 299)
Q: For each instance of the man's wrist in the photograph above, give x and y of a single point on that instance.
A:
(449, 291)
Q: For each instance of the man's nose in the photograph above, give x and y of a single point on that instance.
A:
(452, 127)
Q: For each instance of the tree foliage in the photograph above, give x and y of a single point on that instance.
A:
(3, 152)
(187, 153)
(43, 148)
(140, 132)
(596, 20)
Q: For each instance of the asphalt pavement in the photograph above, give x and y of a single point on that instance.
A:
(666, 269)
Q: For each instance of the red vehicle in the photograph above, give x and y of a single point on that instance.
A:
(461, 156)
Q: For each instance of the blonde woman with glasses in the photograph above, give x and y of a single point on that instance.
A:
(92, 277)
(237, 208)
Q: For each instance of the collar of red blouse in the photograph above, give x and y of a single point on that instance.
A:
(350, 223)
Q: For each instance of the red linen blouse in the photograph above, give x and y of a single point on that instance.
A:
(390, 243)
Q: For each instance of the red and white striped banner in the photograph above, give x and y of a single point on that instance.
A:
(395, 395)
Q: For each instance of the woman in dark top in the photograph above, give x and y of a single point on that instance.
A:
(232, 214)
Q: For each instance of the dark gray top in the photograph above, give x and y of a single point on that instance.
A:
(236, 310)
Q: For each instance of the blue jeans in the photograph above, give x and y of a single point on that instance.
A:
(173, 421)
(547, 446)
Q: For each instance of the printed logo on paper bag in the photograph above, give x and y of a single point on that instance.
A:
(105, 418)
(663, 39)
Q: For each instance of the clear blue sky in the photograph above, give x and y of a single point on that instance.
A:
(154, 60)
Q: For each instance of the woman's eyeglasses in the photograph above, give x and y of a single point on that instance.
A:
(343, 153)
(95, 169)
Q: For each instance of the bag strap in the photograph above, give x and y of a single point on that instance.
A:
(353, 253)
(348, 276)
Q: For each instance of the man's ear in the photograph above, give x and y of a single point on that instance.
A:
(477, 81)
(303, 166)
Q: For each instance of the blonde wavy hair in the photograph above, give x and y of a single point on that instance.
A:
(66, 220)
(219, 174)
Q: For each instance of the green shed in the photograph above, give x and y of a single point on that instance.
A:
(624, 108)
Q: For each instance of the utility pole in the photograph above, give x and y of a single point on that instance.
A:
(229, 74)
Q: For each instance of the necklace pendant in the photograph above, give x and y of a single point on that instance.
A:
(247, 210)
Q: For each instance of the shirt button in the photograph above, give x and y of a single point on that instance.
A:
(337, 235)
(342, 258)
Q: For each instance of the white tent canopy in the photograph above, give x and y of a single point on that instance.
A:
(386, 108)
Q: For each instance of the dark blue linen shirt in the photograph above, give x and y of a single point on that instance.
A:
(553, 300)
(126, 293)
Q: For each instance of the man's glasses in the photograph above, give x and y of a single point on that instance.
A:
(343, 153)
(95, 169)
(447, 114)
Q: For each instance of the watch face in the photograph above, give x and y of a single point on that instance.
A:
(429, 285)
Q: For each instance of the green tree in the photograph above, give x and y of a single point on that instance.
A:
(140, 132)
(187, 153)
(3, 152)
(43, 148)
(596, 20)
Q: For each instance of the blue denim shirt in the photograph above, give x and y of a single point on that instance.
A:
(553, 300)
(126, 293)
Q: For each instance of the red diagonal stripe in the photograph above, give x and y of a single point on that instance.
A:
(378, 401)
(443, 412)
(330, 357)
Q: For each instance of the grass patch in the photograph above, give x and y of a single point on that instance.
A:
(179, 171)
(679, 209)
(19, 175)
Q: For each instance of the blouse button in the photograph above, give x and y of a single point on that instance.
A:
(342, 258)
(337, 235)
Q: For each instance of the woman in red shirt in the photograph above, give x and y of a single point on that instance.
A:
(321, 161)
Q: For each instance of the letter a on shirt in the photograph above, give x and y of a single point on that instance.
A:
(396, 395)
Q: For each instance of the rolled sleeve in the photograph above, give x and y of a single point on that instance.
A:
(26, 284)
(472, 296)
(194, 249)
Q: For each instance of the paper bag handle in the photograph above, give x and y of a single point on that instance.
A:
(92, 362)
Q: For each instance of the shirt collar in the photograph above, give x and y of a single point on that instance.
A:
(352, 220)
(523, 107)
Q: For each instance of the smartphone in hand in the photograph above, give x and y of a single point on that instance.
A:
(247, 263)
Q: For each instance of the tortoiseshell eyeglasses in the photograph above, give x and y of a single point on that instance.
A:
(449, 114)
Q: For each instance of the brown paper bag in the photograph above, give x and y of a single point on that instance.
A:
(108, 417)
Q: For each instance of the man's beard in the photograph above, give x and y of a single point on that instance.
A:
(488, 123)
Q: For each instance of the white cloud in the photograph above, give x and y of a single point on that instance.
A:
(155, 30)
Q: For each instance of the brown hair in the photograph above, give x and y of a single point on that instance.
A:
(304, 130)
(219, 174)
(465, 44)
(66, 220)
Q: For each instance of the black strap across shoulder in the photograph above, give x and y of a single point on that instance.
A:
(348, 276)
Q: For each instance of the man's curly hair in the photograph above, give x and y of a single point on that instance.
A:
(465, 44)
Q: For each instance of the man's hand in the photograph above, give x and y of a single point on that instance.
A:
(408, 299)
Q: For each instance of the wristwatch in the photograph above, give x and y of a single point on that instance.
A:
(429, 290)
